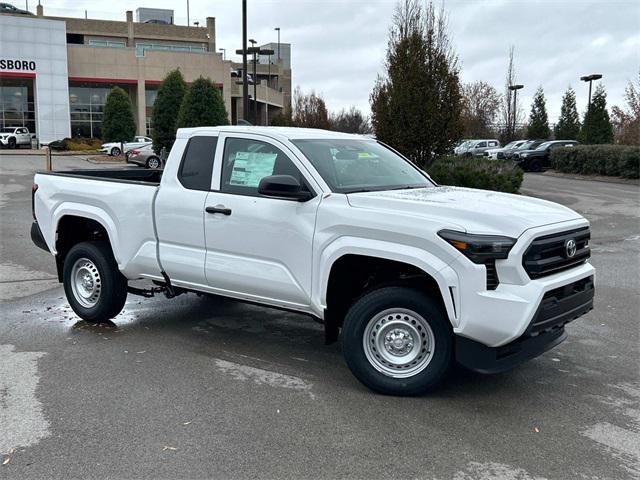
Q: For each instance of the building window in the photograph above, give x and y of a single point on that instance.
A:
(141, 48)
(17, 108)
(150, 94)
(86, 107)
(107, 43)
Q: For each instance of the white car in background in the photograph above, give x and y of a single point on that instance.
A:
(499, 153)
(116, 148)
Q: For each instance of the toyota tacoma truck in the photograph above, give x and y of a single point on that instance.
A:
(409, 275)
(15, 137)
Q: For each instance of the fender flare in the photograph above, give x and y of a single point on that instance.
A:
(442, 273)
(84, 211)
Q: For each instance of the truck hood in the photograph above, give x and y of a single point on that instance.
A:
(467, 209)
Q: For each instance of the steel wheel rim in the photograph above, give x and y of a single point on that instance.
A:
(154, 163)
(85, 282)
(399, 343)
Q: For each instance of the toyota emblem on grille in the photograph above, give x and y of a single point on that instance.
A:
(570, 248)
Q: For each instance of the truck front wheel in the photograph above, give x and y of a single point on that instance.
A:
(397, 341)
(95, 288)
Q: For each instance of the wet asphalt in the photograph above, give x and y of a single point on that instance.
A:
(203, 387)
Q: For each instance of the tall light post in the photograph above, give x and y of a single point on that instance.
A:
(245, 84)
(188, 22)
(277, 29)
(514, 89)
(590, 79)
(224, 53)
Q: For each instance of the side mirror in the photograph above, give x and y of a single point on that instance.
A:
(283, 186)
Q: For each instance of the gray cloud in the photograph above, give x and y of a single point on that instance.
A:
(338, 47)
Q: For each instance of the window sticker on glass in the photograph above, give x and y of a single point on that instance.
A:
(251, 167)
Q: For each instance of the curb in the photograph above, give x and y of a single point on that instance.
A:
(592, 178)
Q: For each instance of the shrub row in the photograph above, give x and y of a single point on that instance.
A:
(78, 144)
(477, 172)
(611, 160)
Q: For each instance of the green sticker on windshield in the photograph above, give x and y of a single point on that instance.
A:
(251, 167)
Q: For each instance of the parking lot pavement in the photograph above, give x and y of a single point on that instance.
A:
(200, 387)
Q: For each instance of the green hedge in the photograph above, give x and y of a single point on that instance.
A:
(477, 172)
(78, 144)
(611, 160)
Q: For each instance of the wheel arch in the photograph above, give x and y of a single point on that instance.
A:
(391, 264)
(73, 227)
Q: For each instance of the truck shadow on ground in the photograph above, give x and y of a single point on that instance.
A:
(224, 328)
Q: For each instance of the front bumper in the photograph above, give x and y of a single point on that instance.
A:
(546, 330)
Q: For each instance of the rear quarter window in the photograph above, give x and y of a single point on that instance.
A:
(196, 167)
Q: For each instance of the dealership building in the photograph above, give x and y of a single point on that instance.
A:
(56, 73)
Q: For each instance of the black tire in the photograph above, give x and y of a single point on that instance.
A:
(535, 166)
(115, 151)
(385, 299)
(12, 143)
(150, 160)
(112, 284)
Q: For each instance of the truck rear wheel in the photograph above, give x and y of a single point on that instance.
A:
(95, 288)
(397, 341)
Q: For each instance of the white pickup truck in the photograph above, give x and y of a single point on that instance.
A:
(14, 137)
(411, 276)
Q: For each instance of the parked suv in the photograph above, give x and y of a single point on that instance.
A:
(538, 159)
(478, 147)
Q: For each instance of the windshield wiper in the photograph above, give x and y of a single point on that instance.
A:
(407, 187)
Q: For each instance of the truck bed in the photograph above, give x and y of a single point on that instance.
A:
(128, 175)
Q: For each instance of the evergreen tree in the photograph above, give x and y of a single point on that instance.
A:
(118, 122)
(538, 119)
(568, 126)
(202, 106)
(597, 127)
(165, 109)
(416, 105)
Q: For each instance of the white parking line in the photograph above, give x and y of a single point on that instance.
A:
(22, 422)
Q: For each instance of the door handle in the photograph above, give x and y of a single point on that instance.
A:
(219, 209)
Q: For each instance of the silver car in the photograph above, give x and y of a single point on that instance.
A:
(477, 148)
(145, 157)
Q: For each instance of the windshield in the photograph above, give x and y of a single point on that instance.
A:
(511, 145)
(525, 145)
(349, 166)
(544, 145)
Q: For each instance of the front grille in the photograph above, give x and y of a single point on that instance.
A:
(548, 254)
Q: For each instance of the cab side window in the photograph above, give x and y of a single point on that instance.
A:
(197, 163)
(246, 162)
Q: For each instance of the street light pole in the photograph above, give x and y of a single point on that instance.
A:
(253, 50)
(590, 79)
(277, 29)
(515, 89)
(245, 84)
(188, 22)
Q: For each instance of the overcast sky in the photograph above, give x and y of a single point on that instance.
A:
(338, 46)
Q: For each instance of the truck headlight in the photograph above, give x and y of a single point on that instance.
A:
(479, 248)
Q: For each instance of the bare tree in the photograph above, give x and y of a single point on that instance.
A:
(480, 109)
(512, 114)
(626, 122)
(309, 110)
(350, 121)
